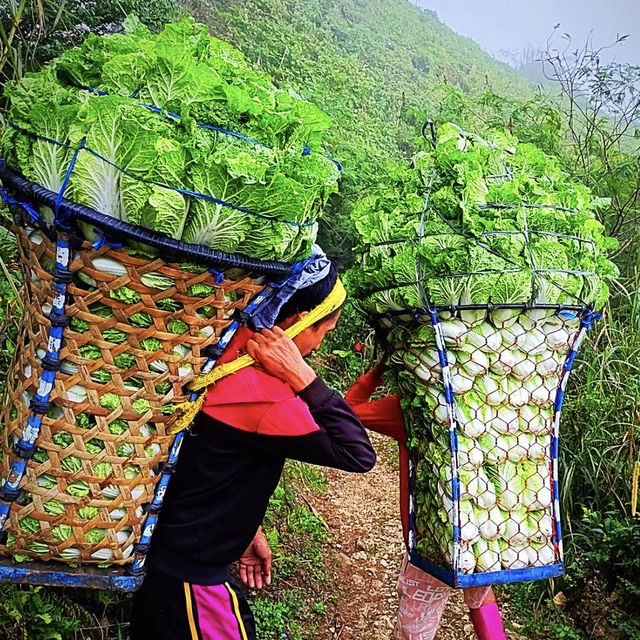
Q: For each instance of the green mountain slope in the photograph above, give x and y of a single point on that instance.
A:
(364, 62)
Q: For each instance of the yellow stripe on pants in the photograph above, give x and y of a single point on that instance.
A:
(236, 609)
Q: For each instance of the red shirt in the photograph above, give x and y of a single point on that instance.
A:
(384, 416)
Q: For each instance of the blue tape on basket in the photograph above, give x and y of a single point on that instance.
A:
(448, 394)
(590, 318)
(556, 490)
(455, 490)
(34, 216)
(453, 440)
(558, 531)
(568, 365)
(456, 534)
(559, 400)
(218, 276)
(554, 447)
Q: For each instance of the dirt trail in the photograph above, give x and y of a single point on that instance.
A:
(366, 552)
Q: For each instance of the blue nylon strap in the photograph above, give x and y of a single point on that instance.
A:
(205, 125)
(61, 222)
(185, 192)
(34, 216)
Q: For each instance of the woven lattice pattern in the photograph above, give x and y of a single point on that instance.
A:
(505, 369)
(136, 334)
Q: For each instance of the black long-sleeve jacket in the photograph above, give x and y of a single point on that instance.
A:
(231, 464)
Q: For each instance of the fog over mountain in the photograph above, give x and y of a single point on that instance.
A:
(499, 25)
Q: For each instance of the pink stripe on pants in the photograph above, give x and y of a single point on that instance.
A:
(216, 616)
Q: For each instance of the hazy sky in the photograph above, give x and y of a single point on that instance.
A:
(511, 24)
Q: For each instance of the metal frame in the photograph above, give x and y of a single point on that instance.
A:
(452, 576)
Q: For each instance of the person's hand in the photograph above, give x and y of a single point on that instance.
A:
(255, 563)
(278, 355)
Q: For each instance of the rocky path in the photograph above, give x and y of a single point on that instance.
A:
(365, 554)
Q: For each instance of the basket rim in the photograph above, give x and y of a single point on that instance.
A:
(187, 251)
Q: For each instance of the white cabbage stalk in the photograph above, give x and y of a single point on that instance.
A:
(510, 485)
(430, 359)
(489, 389)
(538, 449)
(548, 364)
(467, 560)
(147, 430)
(534, 317)
(503, 362)
(160, 366)
(71, 554)
(537, 486)
(469, 532)
(110, 266)
(542, 393)
(542, 554)
(486, 492)
(532, 342)
(77, 393)
(524, 368)
(36, 237)
(460, 382)
(519, 527)
(491, 448)
(485, 338)
(545, 524)
(487, 553)
(207, 331)
(558, 338)
(110, 492)
(473, 317)
(453, 331)
(503, 318)
(516, 391)
(506, 421)
(513, 556)
(47, 309)
(487, 524)
(511, 336)
(69, 368)
(137, 492)
(470, 454)
(472, 361)
(532, 420)
(470, 420)
(440, 412)
(155, 280)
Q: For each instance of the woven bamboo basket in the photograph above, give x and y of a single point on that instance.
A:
(125, 363)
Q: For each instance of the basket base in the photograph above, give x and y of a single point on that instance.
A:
(463, 580)
(44, 574)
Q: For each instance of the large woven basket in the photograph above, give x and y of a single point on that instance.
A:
(128, 352)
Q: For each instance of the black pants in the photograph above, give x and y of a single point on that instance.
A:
(165, 608)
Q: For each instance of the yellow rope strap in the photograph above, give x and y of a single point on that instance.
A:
(635, 479)
(187, 411)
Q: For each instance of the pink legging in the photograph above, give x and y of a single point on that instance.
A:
(423, 599)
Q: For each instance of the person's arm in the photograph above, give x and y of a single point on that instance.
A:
(318, 426)
(384, 415)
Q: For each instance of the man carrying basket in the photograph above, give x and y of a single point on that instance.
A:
(250, 423)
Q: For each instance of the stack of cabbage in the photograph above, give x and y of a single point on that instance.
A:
(162, 116)
(469, 223)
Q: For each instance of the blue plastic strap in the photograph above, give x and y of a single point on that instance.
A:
(60, 221)
(205, 125)
(185, 192)
(34, 216)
